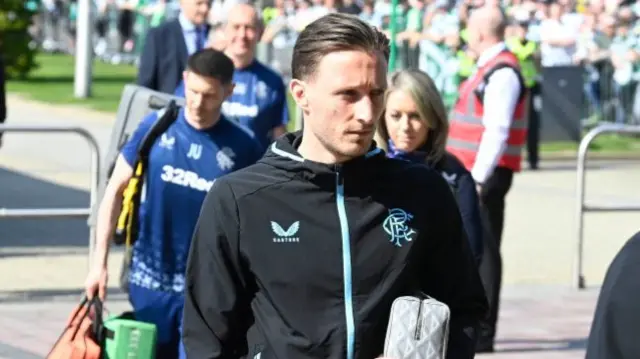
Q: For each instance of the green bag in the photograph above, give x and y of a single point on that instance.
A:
(127, 338)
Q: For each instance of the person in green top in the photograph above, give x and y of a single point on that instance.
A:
(384, 11)
(528, 54)
(157, 11)
(466, 60)
(526, 51)
(466, 57)
(72, 17)
(149, 14)
(464, 35)
(457, 68)
(269, 13)
(414, 16)
(409, 35)
(439, 41)
(625, 58)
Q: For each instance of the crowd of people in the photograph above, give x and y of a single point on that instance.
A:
(600, 36)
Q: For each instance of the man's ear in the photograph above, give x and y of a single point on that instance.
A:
(260, 27)
(260, 32)
(228, 90)
(185, 73)
(299, 92)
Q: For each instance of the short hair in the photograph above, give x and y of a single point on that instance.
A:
(424, 93)
(491, 21)
(259, 21)
(331, 33)
(211, 63)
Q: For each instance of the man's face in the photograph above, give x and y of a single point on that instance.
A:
(608, 25)
(241, 31)
(474, 36)
(596, 7)
(204, 96)
(343, 101)
(555, 11)
(195, 11)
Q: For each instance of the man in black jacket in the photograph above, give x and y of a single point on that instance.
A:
(302, 254)
(167, 47)
(617, 315)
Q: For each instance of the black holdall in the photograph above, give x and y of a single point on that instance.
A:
(126, 231)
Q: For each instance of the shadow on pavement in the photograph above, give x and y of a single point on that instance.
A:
(541, 345)
(22, 191)
(592, 164)
(69, 79)
(34, 252)
(9, 351)
(39, 295)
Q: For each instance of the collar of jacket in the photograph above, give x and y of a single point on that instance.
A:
(283, 154)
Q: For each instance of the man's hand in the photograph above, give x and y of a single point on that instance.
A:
(96, 283)
(401, 36)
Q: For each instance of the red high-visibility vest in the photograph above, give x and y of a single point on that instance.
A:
(466, 128)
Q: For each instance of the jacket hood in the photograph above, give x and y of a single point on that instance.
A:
(283, 154)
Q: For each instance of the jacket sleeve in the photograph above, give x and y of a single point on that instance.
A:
(469, 204)
(451, 274)
(148, 70)
(216, 307)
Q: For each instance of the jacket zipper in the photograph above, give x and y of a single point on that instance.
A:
(346, 263)
(416, 335)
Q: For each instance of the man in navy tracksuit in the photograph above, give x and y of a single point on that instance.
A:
(200, 146)
(302, 254)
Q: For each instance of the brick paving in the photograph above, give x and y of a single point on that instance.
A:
(542, 323)
(30, 327)
(536, 323)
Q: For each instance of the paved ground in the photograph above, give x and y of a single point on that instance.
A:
(530, 328)
(543, 322)
(44, 261)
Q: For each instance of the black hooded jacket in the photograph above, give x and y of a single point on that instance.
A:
(464, 189)
(296, 259)
(614, 330)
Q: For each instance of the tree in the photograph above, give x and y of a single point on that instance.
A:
(15, 39)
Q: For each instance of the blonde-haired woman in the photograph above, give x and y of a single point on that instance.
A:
(414, 128)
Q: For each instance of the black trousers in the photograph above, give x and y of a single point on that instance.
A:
(492, 200)
(533, 131)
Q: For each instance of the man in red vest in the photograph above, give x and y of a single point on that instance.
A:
(488, 129)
